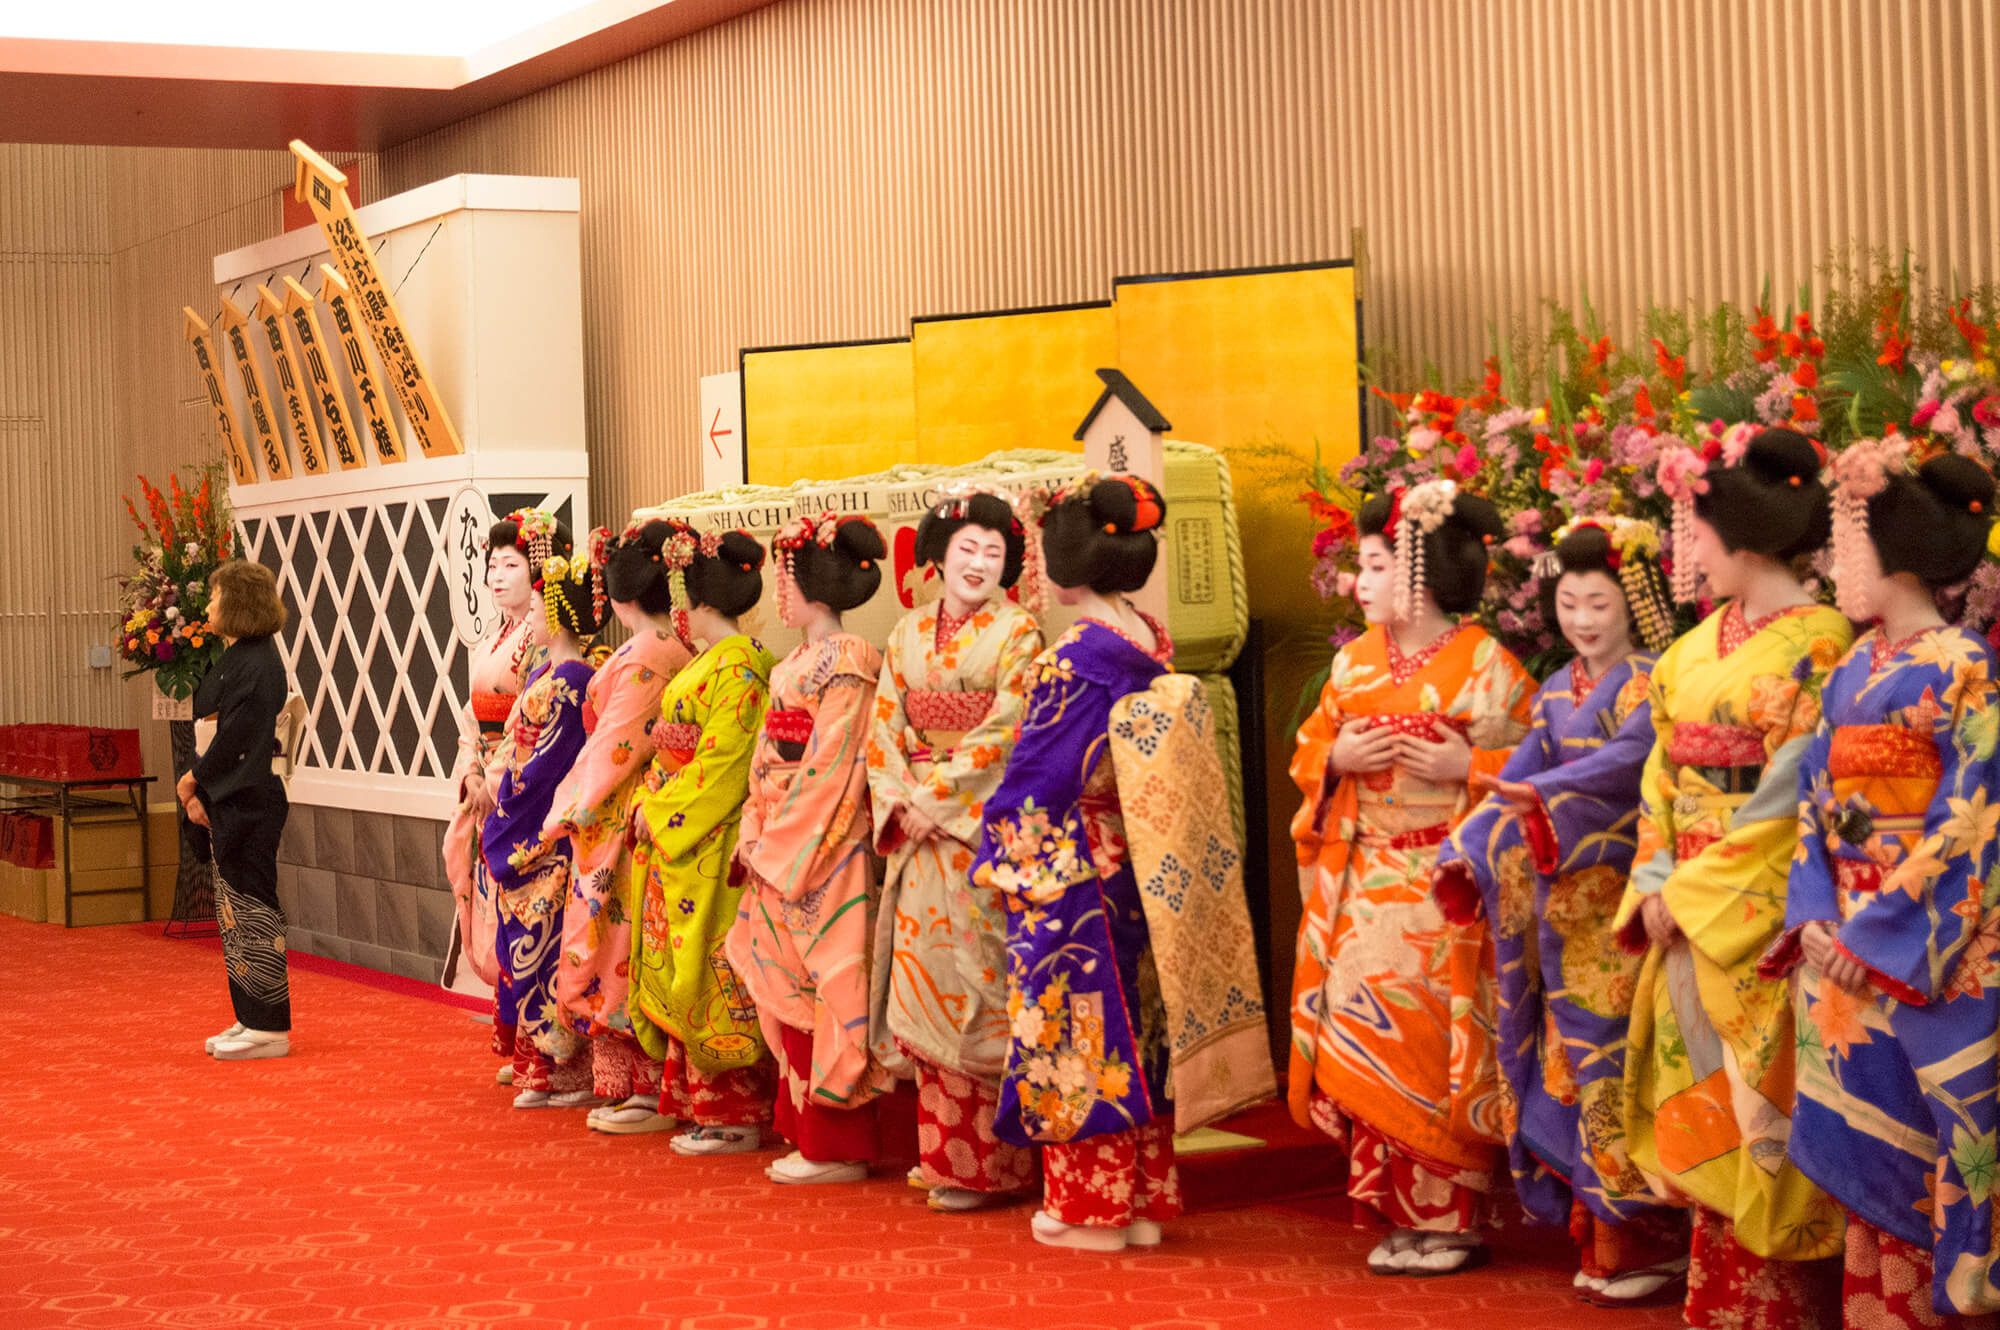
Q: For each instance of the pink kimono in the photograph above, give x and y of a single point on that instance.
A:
(593, 808)
(803, 929)
(496, 670)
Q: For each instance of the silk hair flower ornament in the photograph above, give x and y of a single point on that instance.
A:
(1860, 472)
(1417, 512)
(1682, 474)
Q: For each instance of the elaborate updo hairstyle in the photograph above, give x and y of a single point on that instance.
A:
(1772, 502)
(731, 580)
(520, 530)
(1103, 534)
(1455, 555)
(1933, 524)
(844, 572)
(636, 570)
(1586, 546)
(944, 520)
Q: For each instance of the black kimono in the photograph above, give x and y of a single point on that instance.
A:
(246, 805)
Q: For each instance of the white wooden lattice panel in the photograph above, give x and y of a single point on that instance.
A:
(384, 591)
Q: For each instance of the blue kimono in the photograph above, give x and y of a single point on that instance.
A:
(1896, 1114)
(527, 874)
(1087, 1052)
(1549, 884)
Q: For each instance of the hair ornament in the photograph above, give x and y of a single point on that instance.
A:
(1681, 474)
(1418, 511)
(1860, 472)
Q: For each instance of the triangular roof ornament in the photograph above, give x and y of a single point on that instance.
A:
(1117, 385)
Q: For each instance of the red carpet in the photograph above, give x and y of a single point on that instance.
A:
(378, 1178)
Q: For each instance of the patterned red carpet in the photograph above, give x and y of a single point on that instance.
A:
(378, 1178)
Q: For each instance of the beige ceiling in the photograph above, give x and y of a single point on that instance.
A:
(155, 94)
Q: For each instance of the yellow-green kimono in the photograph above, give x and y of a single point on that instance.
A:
(1709, 1074)
(683, 989)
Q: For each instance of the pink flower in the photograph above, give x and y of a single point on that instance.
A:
(1468, 461)
(1922, 419)
(1987, 411)
(1528, 522)
(1593, 472)
(1343, 584)
(1521, 547)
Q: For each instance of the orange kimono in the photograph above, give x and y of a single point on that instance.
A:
(1372, 1050)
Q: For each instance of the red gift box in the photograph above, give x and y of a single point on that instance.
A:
(84, 752)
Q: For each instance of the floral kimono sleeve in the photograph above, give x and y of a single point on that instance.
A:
(616, 712)
(1587, 803)
(1498, 702)
(890, 780)
(1911, 933)
(1729, 898)
(1312, 764)
(689, 804)
(824, 809)
(1653, 857)
(1035, 843)
(954, 796)
(1810, 894)
(1465, 880)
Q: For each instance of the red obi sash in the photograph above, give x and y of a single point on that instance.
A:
(677, 739)
(1860, 751)
(930, 710)
(1698, 745)
(1423, 838)
(789, 727)
(1857, 875)
(490, 710)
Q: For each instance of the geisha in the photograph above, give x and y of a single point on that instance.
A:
(806, 921)
(496, 670)
(1735, 703)
(592, 809)
(1543, 861)
(1414, 713)
(1087, 1069)
(527, 875)
(689, 1011)
(1892, 920)
(954, 681)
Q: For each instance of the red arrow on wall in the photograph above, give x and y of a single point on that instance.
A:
(713, 432)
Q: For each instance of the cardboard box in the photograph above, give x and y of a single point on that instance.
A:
(103, 896)
(163, 822)
(95, 846)
(21, 893)
(34, 895)
(160, 882)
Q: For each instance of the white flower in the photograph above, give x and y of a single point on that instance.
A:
(1040, 1069)
(1028, 1024)
(173, 611)
(1071, 1073)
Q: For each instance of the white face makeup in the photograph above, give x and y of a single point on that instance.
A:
(507, 578)
(974, 563)
(1590, 609)
(1374, 585)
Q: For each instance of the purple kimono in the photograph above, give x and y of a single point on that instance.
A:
(1549, 884)
(1087, 1051)
(528, 875)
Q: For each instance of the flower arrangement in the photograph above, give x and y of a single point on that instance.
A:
(1630, 432)
(165, 631)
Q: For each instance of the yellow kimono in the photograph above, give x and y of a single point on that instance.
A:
(1709, 1074)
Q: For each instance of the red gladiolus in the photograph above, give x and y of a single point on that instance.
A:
(1600, 352)
(1895, 352)
(1805, 375)
(1804, 408)
(1673, 366)
(1974, 335)
(1642, 404)
(1765, 330)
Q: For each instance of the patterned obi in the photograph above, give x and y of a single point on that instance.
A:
(1884, 778)
(944, 718)
(490, 710)
(789, 732)
(1720, 766)
(677, 740)
(1423, 724)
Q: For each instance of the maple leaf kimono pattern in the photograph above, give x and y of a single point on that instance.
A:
(1087, 1052)
(1899, 1085)
(496, 671)
(691, 801)
(941, 940)
(1548, 886)
(1708, 1070)
(1372, 986)
(529, 875)
(593, 809)
(807, 914)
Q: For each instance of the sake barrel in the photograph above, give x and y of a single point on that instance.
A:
(1208, 613)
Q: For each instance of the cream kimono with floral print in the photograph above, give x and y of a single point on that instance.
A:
(944, 722)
